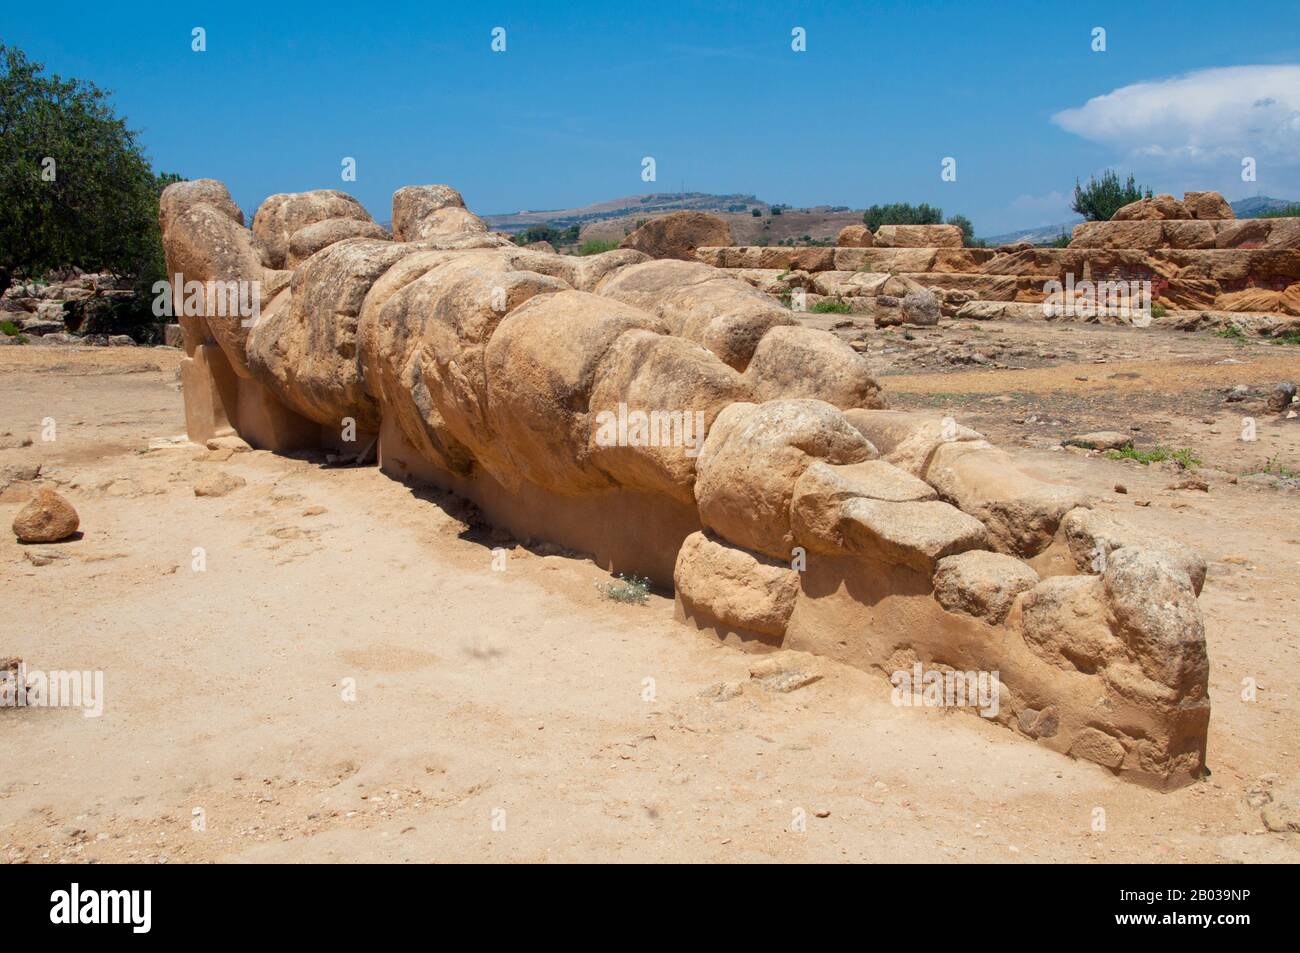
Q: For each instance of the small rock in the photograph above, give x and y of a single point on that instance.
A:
(1237, 393)
(1280, 397)
(1282, 814)
(1100, 440)
(1190, 483)
(1120, 488)
(47, 518)
(230, 442)
(218, 484)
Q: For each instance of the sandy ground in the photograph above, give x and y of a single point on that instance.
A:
(519, 715)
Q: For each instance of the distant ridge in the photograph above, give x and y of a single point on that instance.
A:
(650, 204)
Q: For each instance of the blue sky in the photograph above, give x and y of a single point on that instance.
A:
(713, 91)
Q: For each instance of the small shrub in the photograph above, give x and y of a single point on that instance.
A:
(595, 246)
(1287, 211)
(630, 589)
(1158, 311)
(1291, 337)
(1233, 331)
(9, 328)
(828, 306)
(757, 212)
(1184, 458)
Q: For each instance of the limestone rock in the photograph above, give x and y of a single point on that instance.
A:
(652, 405)
(696, 302)
(920, 307)
(738, 588)
(47, 518)
(854, 236)
(1064, 620)
(982, 584)
(1022, 513)
(918, 236)
(806, 362)
(310, 239)
(1157, 208)
(752, 459)
(1156, 614)
(678, 234)
(1207, 205)
(1089, 744)
(1092, 535)
(219, 483)
(1100, 440)
(281, 216)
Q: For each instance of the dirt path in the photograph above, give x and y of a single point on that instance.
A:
(518, 714)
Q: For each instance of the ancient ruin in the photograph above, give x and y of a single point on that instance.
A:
(676, 420)
(1203, 268)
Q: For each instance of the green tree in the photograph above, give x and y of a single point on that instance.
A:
(1102, 197)
(75, 186)
(967, 229)
(901, 213)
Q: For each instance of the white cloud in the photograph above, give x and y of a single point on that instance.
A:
(1198, 118)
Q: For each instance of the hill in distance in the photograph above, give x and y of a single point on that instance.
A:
(616, 218)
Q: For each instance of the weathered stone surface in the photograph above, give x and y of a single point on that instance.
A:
(47, 518)
(1100, 440)
(679, 234)
(854, 236)
(652, 405)
(219, 483)
(1156, 208)
(1156, 614)
(307, 350)
(738, 588)
(414, 207)
(1064, 620)
(916, 535)
(204, 241)
(804, 362)
(1089, 744)
(541, 366)
(920, 307)
(753, 457)
(982, 584)
(310, 239)
(725, 315)
(1093, 535)
(1207, 205)
(280, 216)
(1022, 513)
(918, 236)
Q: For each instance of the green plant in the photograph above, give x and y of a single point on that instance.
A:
(1274, 468)
(1158, 311)
(1287, 211)
(1291, 337)
(901, 213)
(9, 328)
(1060, 241)
(77, 188)
(830, 306)
(594, 246)
(1102, 197)
(1234, 332)
(756, 212)
(629, 589)
(1183, 457)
